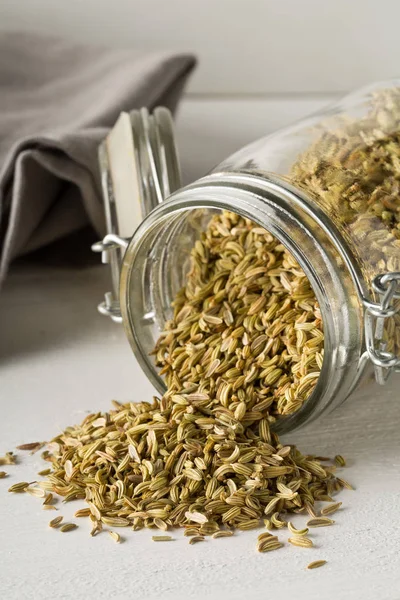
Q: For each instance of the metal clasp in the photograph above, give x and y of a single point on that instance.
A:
(109, 248)
(387, 286)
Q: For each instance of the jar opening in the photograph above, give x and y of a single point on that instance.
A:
(159, 262)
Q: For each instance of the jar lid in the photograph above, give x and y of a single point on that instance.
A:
(139, 169)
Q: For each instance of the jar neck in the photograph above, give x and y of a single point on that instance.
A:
(294, 221)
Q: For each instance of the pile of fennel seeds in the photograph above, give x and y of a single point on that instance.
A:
(204, 457)
(133, 472)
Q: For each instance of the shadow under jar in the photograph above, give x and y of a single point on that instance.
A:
(328, 188)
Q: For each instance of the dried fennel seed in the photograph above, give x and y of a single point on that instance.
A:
(265, 536)
(8, 459)
(190, 532)
(68, 527)
(18, 488)
(344, 483)
(316, 563)
(3, 474)
(196, 517)
(220, 534)
(320, 522)
(44, 472)
(331, 509)
(115, 536)
(208, 528)
(97, 526)
(54, 523)
(340, 461)
(82, 512)
(295, 531)
(301, 541)
(35, 491)
(32, 447)
(196, 538)
(162, 538)
(160, 524)
(269, 544)
(277, 522)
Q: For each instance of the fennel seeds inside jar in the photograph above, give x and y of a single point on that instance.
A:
(247, 330)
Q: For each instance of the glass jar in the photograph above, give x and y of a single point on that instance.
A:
(328, 188)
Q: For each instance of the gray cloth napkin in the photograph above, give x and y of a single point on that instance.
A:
(57, 102)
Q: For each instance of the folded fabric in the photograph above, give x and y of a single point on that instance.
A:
(57, 102)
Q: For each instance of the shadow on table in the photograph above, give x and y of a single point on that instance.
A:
(49, 300)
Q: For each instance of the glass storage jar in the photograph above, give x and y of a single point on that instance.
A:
(328, 188)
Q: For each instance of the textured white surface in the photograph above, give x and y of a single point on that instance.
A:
(59, 359)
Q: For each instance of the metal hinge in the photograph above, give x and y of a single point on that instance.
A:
(387, 286)
(110, 245)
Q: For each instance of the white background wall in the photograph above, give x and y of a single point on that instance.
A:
(262, 63)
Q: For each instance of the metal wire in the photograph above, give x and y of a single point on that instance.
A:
(376, 314)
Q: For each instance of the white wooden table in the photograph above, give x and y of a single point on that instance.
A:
(263, 63)
(60, 359)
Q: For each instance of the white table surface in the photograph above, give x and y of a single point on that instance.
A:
(59, 359)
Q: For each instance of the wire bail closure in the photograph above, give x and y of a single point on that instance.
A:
(387, 286)
(108, 247)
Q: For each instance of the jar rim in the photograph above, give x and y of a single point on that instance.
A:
(284, 211)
